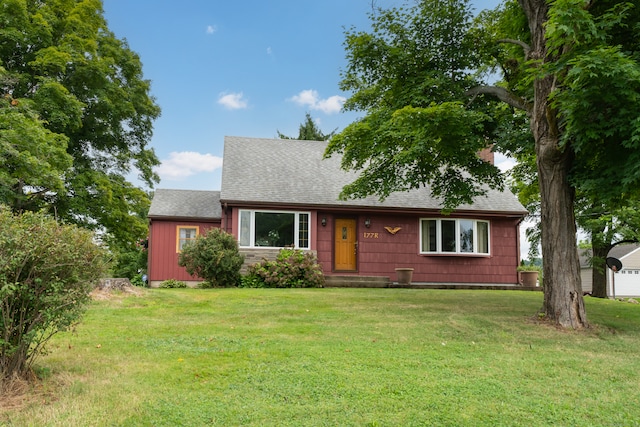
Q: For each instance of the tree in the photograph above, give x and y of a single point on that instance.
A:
(429, 111)
(46, 273)
(215, 257)
(607, 227)
(309, 131)
(603, 212)
(79, 89)
(34, 159)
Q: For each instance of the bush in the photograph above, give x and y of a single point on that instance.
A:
(293, 268)
(172, 283)
(130, 261)
(139, 280)
(214, 257)
(47, 271)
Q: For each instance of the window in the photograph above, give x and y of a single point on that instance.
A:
(185, 234)
(454, 236)
(274, 229)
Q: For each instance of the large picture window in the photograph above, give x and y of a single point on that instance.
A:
(274, 229)
(454, 236)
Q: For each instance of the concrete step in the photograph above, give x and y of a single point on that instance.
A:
(357, 282)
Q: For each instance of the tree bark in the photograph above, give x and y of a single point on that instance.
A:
(599, 271)
(563, 302)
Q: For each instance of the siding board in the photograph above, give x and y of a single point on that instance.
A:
(163, 258)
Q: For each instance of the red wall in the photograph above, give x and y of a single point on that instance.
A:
(380, 256)
(163, 258)
(381, 252)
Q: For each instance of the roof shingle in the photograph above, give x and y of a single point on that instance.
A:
(291, 172)
(186, 204)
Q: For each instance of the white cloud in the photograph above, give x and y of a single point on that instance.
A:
(211, 29)
(333, 104)
(503, 162)
(232, 101)
(183, 164)
(269, 50)
(310, 98)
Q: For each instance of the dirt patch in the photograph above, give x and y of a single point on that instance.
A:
(110, 294)
(17, 393)
(119, 288)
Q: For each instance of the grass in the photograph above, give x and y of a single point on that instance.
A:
(337, 357)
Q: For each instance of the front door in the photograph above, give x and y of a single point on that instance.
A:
(345, 245)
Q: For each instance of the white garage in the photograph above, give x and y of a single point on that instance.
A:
(626, 282)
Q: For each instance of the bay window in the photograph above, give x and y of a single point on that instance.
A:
(454, 236)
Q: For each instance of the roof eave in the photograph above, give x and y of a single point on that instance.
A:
(343, 208)
(184, 218)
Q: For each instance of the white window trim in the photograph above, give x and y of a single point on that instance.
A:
(252, 228)
(458, 252)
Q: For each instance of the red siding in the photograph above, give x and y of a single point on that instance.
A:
(380, 252)
(163, 258)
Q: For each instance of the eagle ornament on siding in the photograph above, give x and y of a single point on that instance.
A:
(393, 230)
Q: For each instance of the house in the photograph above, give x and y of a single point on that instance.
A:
(624, 283)
(175, 218)
(278, 193)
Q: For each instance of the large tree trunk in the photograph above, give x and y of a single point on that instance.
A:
(599, 271)
(563, 302)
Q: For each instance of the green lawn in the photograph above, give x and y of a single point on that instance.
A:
(339, 357)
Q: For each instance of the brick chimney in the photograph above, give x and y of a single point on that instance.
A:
(487, 155)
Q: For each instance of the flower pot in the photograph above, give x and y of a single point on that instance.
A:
(405, 274)
(529, 278)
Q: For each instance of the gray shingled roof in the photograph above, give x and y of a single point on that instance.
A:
(618, 251)
(290, 172)
(186, 204)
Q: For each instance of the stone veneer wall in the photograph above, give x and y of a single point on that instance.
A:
(255, 255)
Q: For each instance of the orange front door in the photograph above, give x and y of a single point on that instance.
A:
(345, 245)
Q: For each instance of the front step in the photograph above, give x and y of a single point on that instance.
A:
(356, 282)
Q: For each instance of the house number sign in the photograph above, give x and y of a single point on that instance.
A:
(368, 235)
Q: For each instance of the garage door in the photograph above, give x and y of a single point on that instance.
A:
(627, 283)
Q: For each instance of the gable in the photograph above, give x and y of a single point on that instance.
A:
(628, 254)
(631, 259)
(290, 172)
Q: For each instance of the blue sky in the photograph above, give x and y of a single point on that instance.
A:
(241, 68)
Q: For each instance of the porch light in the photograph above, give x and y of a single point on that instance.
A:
(367, 222)
(324, 221)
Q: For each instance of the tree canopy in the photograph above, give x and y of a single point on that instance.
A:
(75, 117)
(309, 131)
(568, 96)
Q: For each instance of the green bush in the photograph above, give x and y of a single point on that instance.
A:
(130, 261)
(47, 271)
(172, 283)
(214, 257)
(205, 285)
(293, 268)
(137, 281)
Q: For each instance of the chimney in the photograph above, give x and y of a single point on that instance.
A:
(487, 155)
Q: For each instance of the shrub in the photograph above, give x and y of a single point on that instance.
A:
(214, 257)
(205, 285)
(293, 268)
(172, 283)
(47, 271)
(129, 261)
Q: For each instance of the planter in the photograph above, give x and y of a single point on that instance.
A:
(405, 274)
(529, 278)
